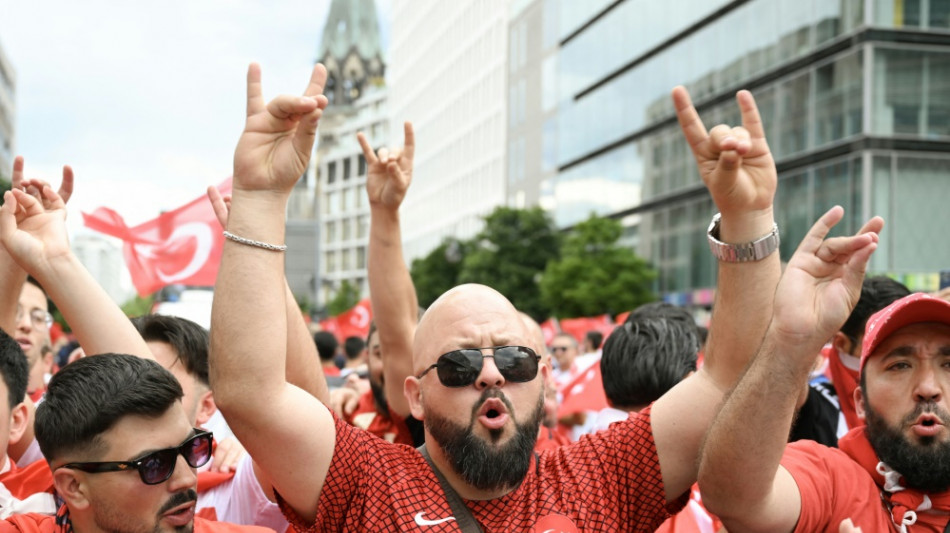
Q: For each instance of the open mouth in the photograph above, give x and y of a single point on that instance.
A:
(493, 414)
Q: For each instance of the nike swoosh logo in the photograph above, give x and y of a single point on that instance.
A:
(420, 521)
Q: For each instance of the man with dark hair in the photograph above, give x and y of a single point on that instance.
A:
(114, 434)
(648, 355)
(181, 347)
(354, 351)
(592, 341)
(327, 346)
(36, 237)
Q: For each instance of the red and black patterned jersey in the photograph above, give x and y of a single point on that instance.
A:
(609, 481)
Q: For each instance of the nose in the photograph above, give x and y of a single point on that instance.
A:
(184, 476)
(490, 376)
(927, 388)
(24, 322)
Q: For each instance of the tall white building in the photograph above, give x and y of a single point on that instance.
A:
(102, 257)
(328, 216)
(7, 114)
(447, 75)
(343, 206)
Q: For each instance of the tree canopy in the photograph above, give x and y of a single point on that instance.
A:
(594, 275)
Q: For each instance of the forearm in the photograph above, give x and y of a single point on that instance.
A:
(303, 365)
(249, 309)
(395, 305)
(745, 293)
(99, 324)
(736, 477)
(11, 283)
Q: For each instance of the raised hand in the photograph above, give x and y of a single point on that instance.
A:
(389, 173)
(32, 233)
(35, 186)
(220, 204)
(734, 162)
(822, 281)
(275, 147)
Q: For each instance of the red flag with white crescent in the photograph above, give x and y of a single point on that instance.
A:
(182, 246)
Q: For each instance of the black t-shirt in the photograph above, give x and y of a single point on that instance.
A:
(819, 417)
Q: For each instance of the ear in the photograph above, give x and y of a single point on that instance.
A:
(19, 420)
(206, 408)
(71, 486)
(859, 405)
(413, 392)
(842, 342)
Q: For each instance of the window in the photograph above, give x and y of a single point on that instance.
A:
(331, 172)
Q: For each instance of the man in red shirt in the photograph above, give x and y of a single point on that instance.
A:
(476, 383)
(121, 449)
(891, 474)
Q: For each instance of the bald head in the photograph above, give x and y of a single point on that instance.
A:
(468, 316)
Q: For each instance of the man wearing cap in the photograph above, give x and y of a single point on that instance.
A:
(891, 474)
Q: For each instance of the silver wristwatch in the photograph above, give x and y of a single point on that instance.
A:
(740, 253)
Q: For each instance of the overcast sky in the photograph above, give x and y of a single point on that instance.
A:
(146, 99)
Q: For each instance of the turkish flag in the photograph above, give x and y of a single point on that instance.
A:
(351, 323)
(622, 317)
(550, 328)
(182, 246)
(584, 393)
(578, 327)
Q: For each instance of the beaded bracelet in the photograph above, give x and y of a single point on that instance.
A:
(250, 242)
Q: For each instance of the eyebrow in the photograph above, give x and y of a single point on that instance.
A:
(142, 454)
(900, 351)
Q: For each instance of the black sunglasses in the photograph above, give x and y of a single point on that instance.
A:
(157, 466)
(460, 368)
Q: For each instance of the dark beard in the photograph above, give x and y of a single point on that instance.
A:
(379, 397)
(925, 466)
(482, 464)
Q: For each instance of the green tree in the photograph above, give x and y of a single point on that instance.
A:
(138, 306)
(595, 275)
(510, 253)
(346, 297)
(438, 271)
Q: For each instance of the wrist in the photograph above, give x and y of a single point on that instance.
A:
(745, 226)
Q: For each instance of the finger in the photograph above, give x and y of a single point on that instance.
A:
(318, 80)
(750, 114)
(351, 405)
(255, 95)
(743, 141)
(17, 178)
(52, 199)
(875, 225)
(689, 120)
(409, 141)
(819, 230)
(27, 203)
(839, 249)
(287, 106)
(66, 187)
(306, 133)
(383, 155)
(368, 153)
(218, 206)
(8, 215)
(723, 144)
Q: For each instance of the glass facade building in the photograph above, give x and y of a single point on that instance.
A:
(854, 95)
(7, 115)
